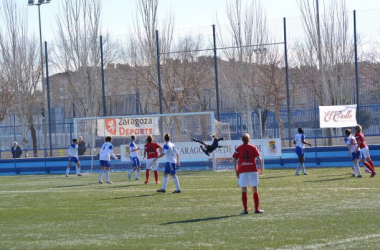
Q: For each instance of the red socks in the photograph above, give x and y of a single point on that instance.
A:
(244, 199)
(373, 166)
(369, 166)
(147, 174)
(156, 175)
(256, 201)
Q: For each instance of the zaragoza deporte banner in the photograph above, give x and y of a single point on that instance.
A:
(128, 126)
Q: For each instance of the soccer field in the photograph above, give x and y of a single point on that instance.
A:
(327, 209)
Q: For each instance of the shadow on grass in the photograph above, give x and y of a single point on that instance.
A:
(130, 197)
(273, 177)
(133, 185)
(78, 185)
(344, 174)
(191, 173)
(334, 179)
(199, 220)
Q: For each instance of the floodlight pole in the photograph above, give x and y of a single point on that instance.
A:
(48, 98)
(216, 73)
(287, 83)
(44, 130)
(103, 84)
(356, 71)
(159, 73)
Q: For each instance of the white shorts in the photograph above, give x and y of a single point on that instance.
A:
(151, 165)
(248, 179)
(364, 153)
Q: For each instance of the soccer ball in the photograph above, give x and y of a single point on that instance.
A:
(184, 131)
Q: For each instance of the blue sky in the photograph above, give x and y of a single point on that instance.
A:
(118, 14)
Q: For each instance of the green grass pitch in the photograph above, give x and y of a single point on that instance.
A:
(327, 209)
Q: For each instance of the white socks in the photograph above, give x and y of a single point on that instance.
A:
(303, 168)
(137, 174)
(165, 182)
(357, 169)
(108, 176)
(298, 168)
(176, 182)
(101, 175)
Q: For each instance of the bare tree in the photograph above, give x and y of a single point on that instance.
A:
(77, 53)
(185, 72)
(336, 50)
(274, 86)
(328, 49)
(248, 29)
(141, 52)
(20, 68)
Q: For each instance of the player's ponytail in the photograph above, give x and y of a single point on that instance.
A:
(167, 137)
(149, 139)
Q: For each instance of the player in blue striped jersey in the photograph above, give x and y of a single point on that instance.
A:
(73, 157)
(172, 163)
(133, 155)
(300, 142)
(353, 151)
(105, 154)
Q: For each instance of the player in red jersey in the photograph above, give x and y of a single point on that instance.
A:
(366, 159)
(247, 172)
(150, 151)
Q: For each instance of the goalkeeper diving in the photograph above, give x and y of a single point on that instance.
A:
(208, 149)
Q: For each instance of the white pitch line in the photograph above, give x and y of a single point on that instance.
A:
(146, 189)
(334, 243)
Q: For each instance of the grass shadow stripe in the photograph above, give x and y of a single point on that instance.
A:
(77, 185)
(334, 179)
(199, 220)
(130, 197)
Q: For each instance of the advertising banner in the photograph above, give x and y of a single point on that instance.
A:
(191, 150)
(337, 116)
(127, 126)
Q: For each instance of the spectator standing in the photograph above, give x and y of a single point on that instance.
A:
(16, 150)
(81, 146)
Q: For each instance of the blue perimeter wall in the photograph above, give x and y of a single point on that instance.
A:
(315, 157)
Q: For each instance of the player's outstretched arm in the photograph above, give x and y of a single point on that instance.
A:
(201, 142)
(158, 157)
(135, 149)
(305, 142)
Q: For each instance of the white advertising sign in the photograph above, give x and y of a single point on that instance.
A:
(191, 150)
(337, 116)
(127, 126)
